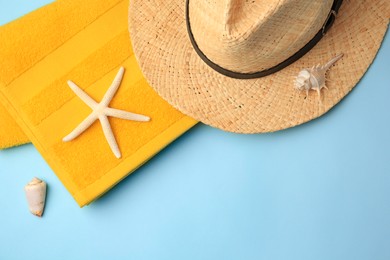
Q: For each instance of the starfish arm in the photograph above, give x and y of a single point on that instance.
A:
(113, 88)
(82, 95)
(125, 115)
(109, 136)
(81, 127)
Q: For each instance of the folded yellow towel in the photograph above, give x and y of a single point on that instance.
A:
(84, 41)
(10, 132)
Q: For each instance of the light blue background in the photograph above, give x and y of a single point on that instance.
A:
(317, 191)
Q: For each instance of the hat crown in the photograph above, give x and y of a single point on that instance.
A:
(248, 36)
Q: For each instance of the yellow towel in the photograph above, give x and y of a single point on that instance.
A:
(10, 132)
(84, 41)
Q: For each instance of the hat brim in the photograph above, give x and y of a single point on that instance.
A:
(173, 68)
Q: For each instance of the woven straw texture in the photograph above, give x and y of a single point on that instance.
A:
(267, 104)
(244, 38)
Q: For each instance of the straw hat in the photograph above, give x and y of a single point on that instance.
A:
(232, 64)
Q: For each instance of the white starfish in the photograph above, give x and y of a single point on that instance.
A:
(100, 111)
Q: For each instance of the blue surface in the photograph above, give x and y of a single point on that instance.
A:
(317, 191)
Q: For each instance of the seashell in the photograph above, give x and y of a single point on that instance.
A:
(36, 196)
(315, 77)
